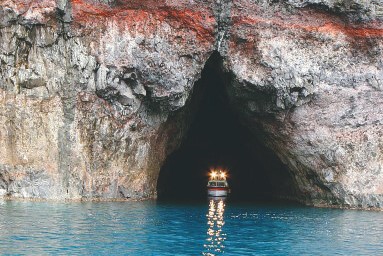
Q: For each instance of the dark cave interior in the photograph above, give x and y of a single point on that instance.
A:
(217, 139)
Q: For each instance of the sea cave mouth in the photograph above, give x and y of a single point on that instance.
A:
(218, 139)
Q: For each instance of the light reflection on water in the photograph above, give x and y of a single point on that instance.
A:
(214, 227)
(215, 242)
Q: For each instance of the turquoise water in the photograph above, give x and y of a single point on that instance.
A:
(210, 228)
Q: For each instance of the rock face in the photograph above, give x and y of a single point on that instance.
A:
(94, 95)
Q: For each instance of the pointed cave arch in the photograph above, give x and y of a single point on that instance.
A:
(218, 138)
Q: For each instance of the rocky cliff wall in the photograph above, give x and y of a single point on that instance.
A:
(95, 94)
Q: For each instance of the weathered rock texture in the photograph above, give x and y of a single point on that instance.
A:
(95, 94)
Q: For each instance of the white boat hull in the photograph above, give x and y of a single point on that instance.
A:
(217, 192)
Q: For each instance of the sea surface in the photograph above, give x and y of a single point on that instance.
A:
(211, 227)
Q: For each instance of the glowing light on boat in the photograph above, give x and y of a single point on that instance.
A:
(217, 174)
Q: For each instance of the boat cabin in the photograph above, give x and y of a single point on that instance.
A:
(217, 183)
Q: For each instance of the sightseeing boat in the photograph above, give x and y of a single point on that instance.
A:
(217, 185)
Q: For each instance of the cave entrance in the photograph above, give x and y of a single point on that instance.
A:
(217, 138)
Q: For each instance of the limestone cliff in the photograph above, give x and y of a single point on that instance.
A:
(94, 95)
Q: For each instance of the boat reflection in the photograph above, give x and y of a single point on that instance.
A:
(215, 241)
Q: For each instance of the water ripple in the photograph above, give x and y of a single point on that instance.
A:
(213, 228)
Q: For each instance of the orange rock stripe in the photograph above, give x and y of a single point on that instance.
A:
(201, 22)
(329, 27)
